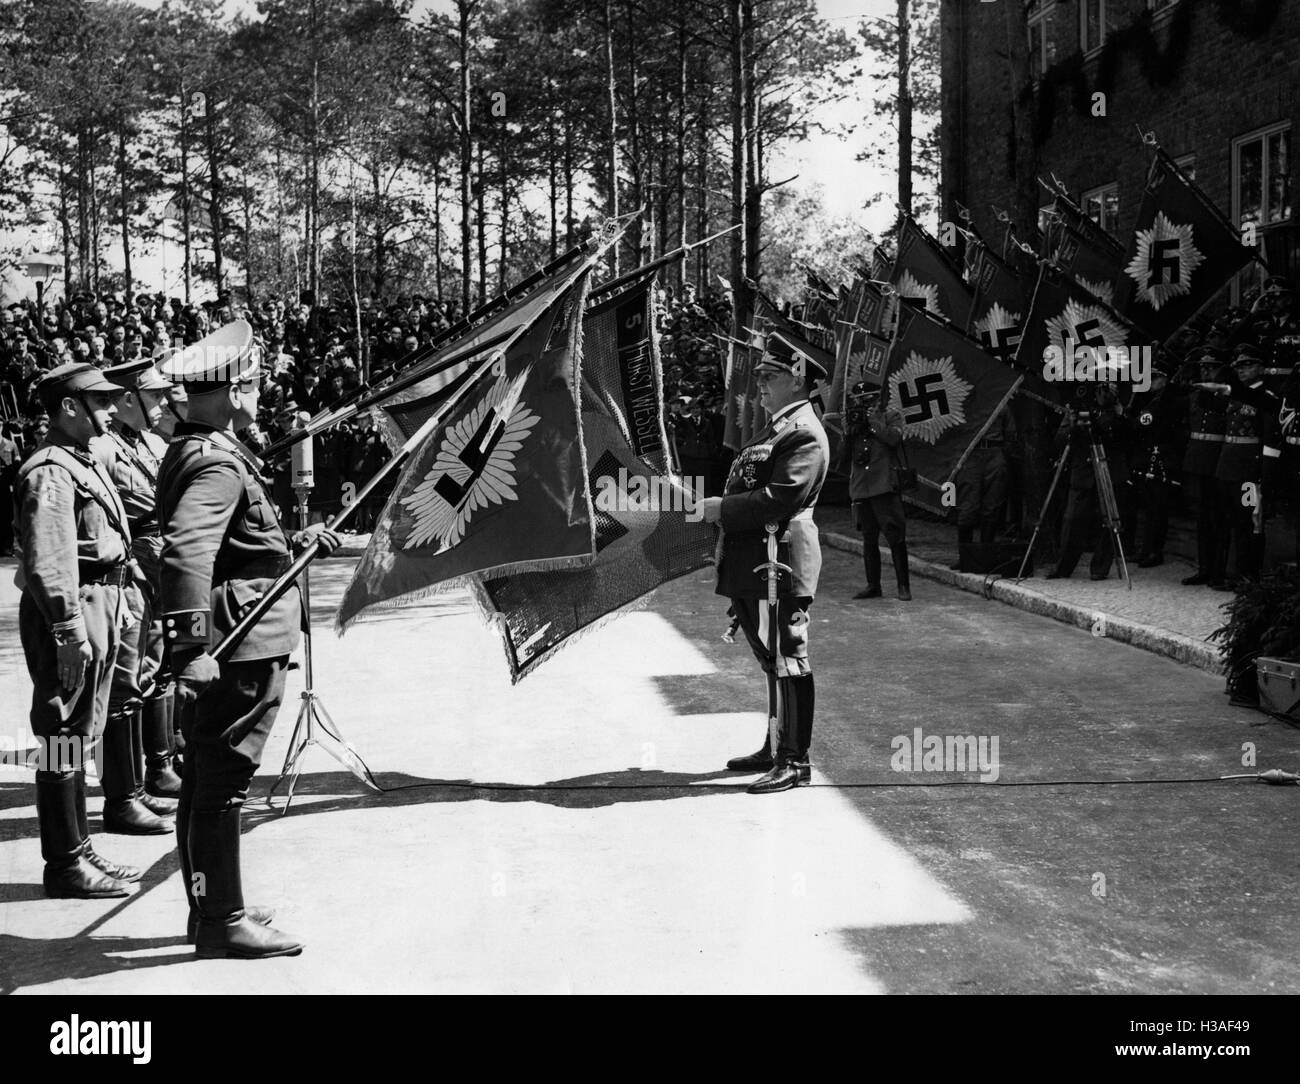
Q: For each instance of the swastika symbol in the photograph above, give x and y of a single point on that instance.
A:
(928, 391)
(1001, 341)
(1163, 257)
(475, 456)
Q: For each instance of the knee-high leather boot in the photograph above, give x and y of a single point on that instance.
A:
(160, 779)
(68, 873)
(871, 564)
(901, 572)
(112, 869)
(224, 927)
(124, 814)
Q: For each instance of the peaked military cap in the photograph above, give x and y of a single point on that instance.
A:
(138, 375)
(223, 357)
(76, 377)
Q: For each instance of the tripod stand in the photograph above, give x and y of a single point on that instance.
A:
(314, 726)
(1105, 497)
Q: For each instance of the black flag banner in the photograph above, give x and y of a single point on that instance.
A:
(924, 275)
(949, 391)
(1078, 246)
(648, 525)
(1182, 253)
(998, 306)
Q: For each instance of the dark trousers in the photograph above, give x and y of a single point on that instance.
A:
(1211, 536)
(1083, 516)
(883, 514)
(59, 713)
(226, 730)
(1239, 530)
(1154, 497)
(981, 487)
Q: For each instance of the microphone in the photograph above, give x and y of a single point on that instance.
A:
(302, 466)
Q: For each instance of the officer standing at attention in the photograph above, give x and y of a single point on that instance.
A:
(777, 478)
(223, 546)
(875, 433)
(139, 783)
(1206, 420)
(73, 568)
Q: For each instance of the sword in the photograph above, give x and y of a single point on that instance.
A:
(773, 568)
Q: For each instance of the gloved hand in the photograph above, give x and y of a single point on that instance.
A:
(328, 538)
(195, 671)
(73, 659)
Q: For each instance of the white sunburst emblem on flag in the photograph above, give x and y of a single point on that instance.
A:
(1103, 290)
(931, 395)
(1083, 325)
(912, 287)
(474, 467)
(1165, 261)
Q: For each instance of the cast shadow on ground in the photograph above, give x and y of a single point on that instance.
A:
(28, 961)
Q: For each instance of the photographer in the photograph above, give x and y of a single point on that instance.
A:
(1097, 418)
(875, 433)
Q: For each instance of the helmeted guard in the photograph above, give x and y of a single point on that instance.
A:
(73, 570)
(776, 478)
(1248, 464)
(1206, 421)
(222, 547)
(139, 783)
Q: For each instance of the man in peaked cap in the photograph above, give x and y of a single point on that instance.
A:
(777, 478)
(222, 547)
(139, 783)
(1206, 421)
(73, 571)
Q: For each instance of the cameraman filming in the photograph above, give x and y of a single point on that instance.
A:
(875, 433)
(1097, 418)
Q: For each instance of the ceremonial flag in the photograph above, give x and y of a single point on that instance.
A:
(924, 275)
(1182, 253)
(949, 391)
(860, 349)
(1064, 317)
(1075, 244)
(882, 267)
(500, 481)
(648, 526)
(998, 304)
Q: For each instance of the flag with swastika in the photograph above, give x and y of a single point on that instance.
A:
(925, 275)
(500, 481)
(1183, 252)
(949, 391)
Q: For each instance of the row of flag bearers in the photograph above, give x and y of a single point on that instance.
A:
(136, 557)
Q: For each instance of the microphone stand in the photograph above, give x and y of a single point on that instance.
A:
(314, 726)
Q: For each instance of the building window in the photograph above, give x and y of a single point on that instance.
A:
(1096, 21)
(1042, 48)
(1187, 163)
(1102, 206)
(1261, 196)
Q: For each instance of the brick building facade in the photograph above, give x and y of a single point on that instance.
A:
(1217, 81)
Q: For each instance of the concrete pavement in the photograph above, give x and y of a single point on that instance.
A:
(575, 832)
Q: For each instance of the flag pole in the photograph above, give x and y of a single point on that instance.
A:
(638, 273)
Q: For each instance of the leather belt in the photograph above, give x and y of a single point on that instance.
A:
(260, 568)
(109, 575)
(1241, 440)
(1207, 436)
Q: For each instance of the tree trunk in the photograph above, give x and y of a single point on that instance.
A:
(248, 239)
(83, 215)
(94, 211)
(65, 230)
(905, 107)
(753, 189)
(613, 124)
(437, 231)
(505, 222)
(551, 176)
(381, 255)
(313, 195)
(214, 191)
(679, 146)
(635, 234)
(125, 208)
(186, 240)
(466, 153)
(279, 219)
(739, 142)
(480, 223)
(568, 181)
(702, 188)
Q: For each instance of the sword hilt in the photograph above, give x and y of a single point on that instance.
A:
(772, 567)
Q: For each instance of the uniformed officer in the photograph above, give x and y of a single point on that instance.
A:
(875, 433)
(1247, 468)
(1279, 333)
(139, 783)
(223, 546)
(776, 478)
(1160, 415)
(1206, 420)
(74, 546)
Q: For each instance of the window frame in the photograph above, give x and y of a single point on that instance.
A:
(1039, 18)
(1099, 193)
(1096, 47)
(1250, 274)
